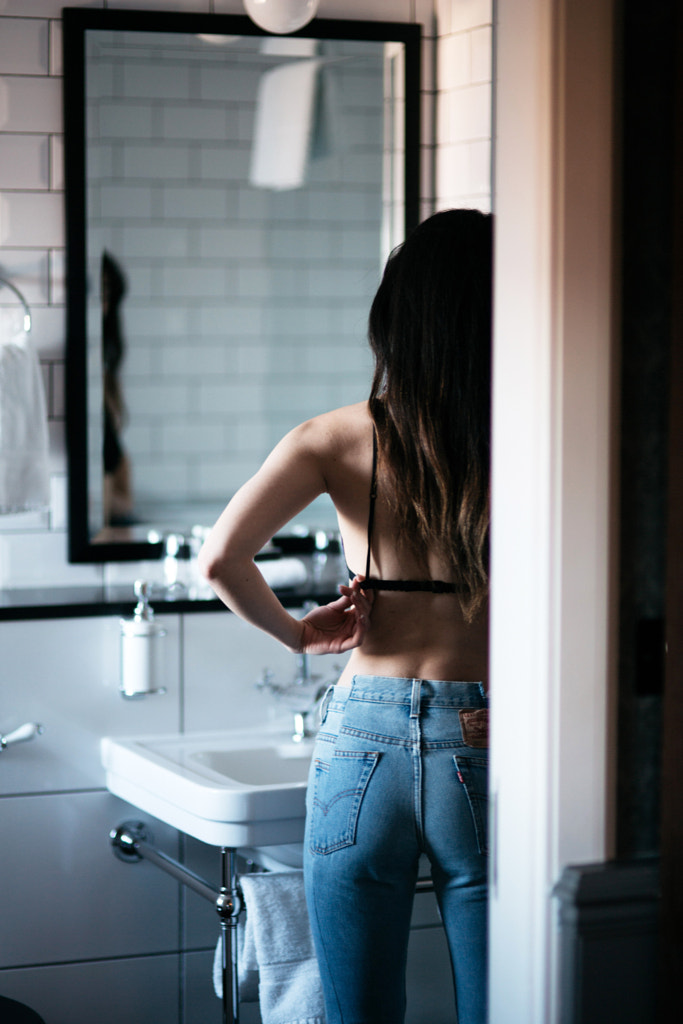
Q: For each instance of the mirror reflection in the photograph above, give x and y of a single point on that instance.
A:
(242, 193)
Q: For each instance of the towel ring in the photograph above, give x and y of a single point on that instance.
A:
(22, 300)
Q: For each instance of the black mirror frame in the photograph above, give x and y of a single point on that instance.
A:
(76, 22)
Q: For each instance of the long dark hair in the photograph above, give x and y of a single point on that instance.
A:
(114, 288)
(430, 332)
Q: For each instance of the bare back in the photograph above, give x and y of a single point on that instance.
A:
(414, 635)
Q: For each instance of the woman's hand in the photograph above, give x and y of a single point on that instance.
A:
(340, 625)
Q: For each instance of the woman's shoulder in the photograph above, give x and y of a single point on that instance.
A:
(338, 429)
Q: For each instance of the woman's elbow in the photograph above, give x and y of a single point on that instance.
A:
(209, 563)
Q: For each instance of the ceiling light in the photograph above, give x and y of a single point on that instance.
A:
(281, 16)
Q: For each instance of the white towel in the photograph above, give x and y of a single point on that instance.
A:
(24, 472)
(283, 572)
(283, 128)
(276, 942)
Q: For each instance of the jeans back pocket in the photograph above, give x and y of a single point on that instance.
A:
(339, 785)
(473, 774)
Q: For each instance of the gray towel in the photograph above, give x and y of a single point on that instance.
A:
(24, 474)
(277, 943)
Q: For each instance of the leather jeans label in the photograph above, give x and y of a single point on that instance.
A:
(475, 726)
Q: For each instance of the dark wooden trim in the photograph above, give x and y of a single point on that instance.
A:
(672, 716)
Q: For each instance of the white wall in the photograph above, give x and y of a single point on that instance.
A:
(553, 508)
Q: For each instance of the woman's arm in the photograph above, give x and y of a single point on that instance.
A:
(290, 478)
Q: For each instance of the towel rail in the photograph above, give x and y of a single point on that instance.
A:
(131, 844)
(4, 283)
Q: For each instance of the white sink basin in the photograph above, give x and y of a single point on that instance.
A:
(239, 788)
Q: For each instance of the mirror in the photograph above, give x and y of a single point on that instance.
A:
(231, 198)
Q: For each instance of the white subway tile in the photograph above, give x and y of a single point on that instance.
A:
(190, 438)
(126, 201)
(230, 84)
(57, 440)
(156, 81)
(480, 167)
(466, 14)
(482, 54)
(244, 320)
(40, 8)
(48, 330)
(442, 14)
(337, 282)
(59, 517)
(469, 114)
(225, 241)
(28, 271)
(189, 6)
(427, 208)
(120, 120)
(427, 172)
(162, 320)
(235, 397)
(464, 202)
(192, 281)
(24, 46)
(31, 219)
(193, 203)
(191, 122)
(57, 163)
(23, 522)
(40, 560)
(228, 7)
(443, 114)
(224, 163)
(158, 399)
(453, 62)
(428, 64)
(452, 170)
(58, 389)
(366, 10)
(150, 241)
(57, 281)
(424, 13)
(30, 104)
(196, 359)
(158, 162)
(24, 161)
(152, 481)
(55, 48)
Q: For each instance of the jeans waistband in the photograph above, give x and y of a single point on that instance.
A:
(415, 693)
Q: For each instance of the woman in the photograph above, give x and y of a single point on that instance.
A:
(399, 768)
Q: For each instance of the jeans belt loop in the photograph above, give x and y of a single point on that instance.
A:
(415, 698)
(325, 703)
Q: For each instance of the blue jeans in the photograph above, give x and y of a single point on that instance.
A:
(399, 770)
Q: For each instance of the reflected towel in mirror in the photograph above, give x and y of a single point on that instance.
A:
(283, 572)
(24, 471)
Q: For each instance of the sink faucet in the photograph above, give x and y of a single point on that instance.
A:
(302, 694)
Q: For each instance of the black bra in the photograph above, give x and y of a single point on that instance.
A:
(427, 586)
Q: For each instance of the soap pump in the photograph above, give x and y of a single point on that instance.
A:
(140, 655)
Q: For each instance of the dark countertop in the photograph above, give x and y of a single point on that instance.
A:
(77, 602)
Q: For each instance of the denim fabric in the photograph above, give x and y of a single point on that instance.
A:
(391, 779)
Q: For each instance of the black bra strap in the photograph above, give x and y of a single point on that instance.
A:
(373, 498)
(411, 586)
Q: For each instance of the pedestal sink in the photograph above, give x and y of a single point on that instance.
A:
(233, 788)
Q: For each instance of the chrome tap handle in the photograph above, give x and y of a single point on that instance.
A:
(24, 732)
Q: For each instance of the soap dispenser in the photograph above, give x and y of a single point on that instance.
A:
(140, 653)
